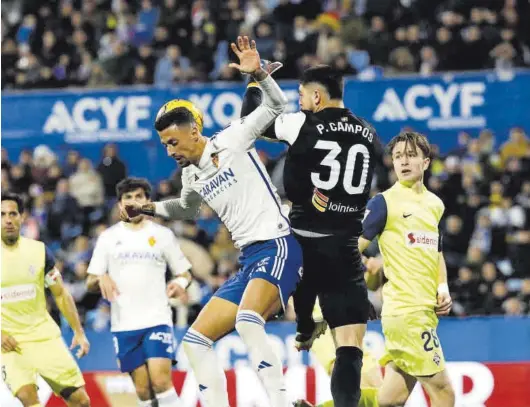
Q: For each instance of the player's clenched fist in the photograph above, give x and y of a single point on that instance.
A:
(9, 344)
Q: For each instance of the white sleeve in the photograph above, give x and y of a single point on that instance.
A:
(99, 263)
(185, 207)
(241, 134)
(175, 259)
(288, 125)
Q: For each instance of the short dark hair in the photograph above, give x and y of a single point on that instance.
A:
(132, 183)
(416, 140)
(177, 116)
(326, 76)
(10, 196)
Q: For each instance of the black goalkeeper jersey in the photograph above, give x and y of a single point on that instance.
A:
(329, 169)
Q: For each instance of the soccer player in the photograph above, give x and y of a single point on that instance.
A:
(327, 176)
(129, 266)
(226, 173)
(31, 340)
(324, 350)
(406, 220)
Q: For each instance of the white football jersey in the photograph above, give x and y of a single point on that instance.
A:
(231, 179)
(136, 259)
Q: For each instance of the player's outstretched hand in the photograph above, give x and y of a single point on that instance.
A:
(109, 289)
(444, 304)
(245, 50)
(80, 340)
(9, 344)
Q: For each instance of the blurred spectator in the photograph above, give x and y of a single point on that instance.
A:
(65, 218)
(112, 170)
(171, 67)
(86, 186)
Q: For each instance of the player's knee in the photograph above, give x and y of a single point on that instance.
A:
(28, 396)
(385, 401)
(79, 398)
(393, 399)
(161, 383)
(143, 392)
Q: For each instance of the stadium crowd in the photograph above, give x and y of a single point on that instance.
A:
(486, 226)
(101, 43)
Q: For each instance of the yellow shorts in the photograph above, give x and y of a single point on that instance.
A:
(50, 359)
(412, 344)
(324, 348)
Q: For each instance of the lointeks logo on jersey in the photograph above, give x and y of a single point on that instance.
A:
(218, 184)
(322, 203)
(421, 239)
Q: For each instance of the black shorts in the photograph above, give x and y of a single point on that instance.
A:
(333, 270)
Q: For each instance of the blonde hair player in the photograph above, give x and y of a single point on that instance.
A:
(406, 218)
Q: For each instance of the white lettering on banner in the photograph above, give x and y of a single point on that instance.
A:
(417, 104)
(82, 124)
(225, 107)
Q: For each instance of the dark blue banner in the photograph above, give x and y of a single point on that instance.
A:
(439, 106)
(485, 340)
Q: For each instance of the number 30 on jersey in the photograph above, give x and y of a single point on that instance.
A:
(330, 160)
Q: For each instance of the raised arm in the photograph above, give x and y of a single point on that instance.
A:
(244, 132)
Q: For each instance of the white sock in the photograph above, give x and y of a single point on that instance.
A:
(208, 372)
(251, 327)
(168, 398)
(145, 403)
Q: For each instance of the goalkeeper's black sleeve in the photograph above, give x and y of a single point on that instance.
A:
(251, 100)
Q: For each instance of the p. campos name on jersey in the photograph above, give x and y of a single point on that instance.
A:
(218, 184)
(348, 127)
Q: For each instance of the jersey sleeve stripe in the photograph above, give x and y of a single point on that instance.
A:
(268, 186)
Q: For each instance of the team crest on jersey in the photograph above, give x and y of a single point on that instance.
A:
(152, 241)
(436, 359)
(32, 270)
(215, 160)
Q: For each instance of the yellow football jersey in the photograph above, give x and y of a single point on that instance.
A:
(24, 314)
(406, 223)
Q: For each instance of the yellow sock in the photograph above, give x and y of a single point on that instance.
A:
(253, 84)
(368, 397)
(327, 404)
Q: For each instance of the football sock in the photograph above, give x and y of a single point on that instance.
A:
(168, 398)
(346, 376)
(208, 372)
(251, 327)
